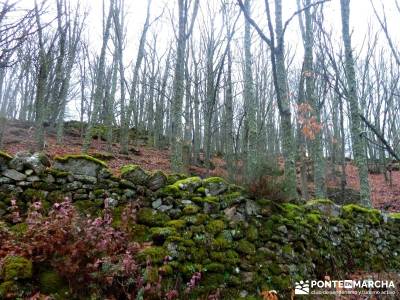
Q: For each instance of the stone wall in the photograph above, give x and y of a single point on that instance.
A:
(240, 245)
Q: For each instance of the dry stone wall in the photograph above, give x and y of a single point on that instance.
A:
(240, 245)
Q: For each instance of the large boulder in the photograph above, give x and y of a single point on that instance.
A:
(28, 161)
(84, 165)
(135, 174)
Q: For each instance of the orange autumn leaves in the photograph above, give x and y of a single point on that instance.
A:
(310, 127)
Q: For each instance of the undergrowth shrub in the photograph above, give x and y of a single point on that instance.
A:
(93, 257)
(269, 187)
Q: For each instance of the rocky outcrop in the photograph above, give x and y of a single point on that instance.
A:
(240, 245)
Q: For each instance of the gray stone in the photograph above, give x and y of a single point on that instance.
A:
(25, 160)
(129, 193)
(243, 294)
(80, 196)
(186, 202)
(86, 178)
(136, 175)
(10, 188)
(5, 180)
(164, 208)
(49, 179)
(33, 178)
(127, 183)
(79, 166)
(157, 181)
(105, 173)
(14, 175)
(28, 172)
(282, 229)
(252, 208)
(111, 202)
(24, 183)
(73, 186)
(156, 204)
(61, 180)
(215, 188)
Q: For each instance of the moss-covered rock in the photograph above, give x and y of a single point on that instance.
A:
(354, 211)
(80, 164)
(135, 174)
(245, 247)
(16, 267)
(191, 209)
(155, 254)
(8, 289)
(177, 224)
(188, 184)
(151, 217)
(215, 226)
(50, 282)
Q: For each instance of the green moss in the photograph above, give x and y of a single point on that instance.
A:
(55, 196)
(197, 219)
(166, 270)
(246, 247)
(8, 288)
(155, 254)
(19, 229)
(151, 217)
(213, 180)
(215, 226)
(220, 243)
(171, 190)
(189, 180)
(128, 168)
(88, 207)
(355, 211)
(313, 218)
(177, 224)
(214, 267)
(191, 209)
(189, 184)
(80, 156)
(252, 233)
(5, 155)
(229, 257)
(213, 281)
(58, 173)
(281, 282)
(319, 201)
(140, 233)
(33, 195)
(208, 199)
(151, 275)
(292, 211)
(16, 267)
(171, 179)
(102, 155)
(51, 282)
(201, 190)
(161, 233)
(287, 249)
(394, 215)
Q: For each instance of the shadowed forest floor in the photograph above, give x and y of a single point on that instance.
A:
(19, 136)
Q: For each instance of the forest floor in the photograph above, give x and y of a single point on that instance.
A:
(19, 136)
